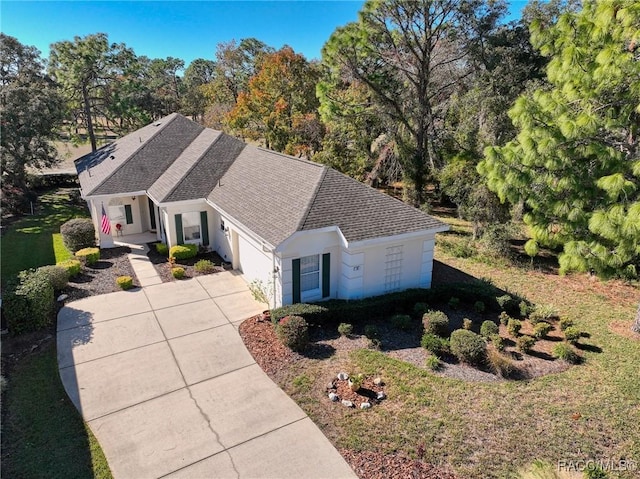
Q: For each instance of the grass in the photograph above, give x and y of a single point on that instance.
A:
(34, 241)
(492, 430)
(43, 434)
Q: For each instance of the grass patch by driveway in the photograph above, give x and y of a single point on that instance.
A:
(34, 241)
(42, 434)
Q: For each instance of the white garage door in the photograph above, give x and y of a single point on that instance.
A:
(254, 263)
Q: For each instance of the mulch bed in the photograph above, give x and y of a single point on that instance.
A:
(163, 267)
(374, 465)
(100, 278)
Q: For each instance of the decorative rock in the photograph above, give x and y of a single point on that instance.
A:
(365, 405)
(331, 385)
(347, 403)
(333, 396)
(378, 381)
(381, 395)
(62, 297)
(343, 376)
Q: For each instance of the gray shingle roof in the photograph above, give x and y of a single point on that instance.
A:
(272, 194)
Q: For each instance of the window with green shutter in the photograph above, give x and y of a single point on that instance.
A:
(179, 235)
(128, 214)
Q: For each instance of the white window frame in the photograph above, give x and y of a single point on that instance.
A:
(311, 292)
(188, 222)
(393, 268)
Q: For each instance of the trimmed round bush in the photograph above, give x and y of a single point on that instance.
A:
(488, 329)
(525, 344)
(29, 303)
(177, 272)
(88, 255)
(514, 326)
(540, 330)
(345, 329)
(78, 233)
(468, 346)
(57, 276)
(402, 322)
(497, 342)
(162, 249)
(293, 331)
(125, 282)
(565, 352)
(73, 267)
(435, 344)
(204, 266)
(572, 334)
(183, 251)
(436, 322)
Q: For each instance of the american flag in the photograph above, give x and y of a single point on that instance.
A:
(105, 226)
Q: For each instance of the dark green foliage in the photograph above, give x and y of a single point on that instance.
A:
(402, 322)
(312, 313)
(525, 344)
(30, 303)
(508, 304)
(454, 303)
(468, 346)
(88, 255)
(162, 249)
(204, 266)
(479, 307)
(572, 334)
(419, 309)
(495, 241)
(56, 275)
(72, 266)
(345, 329)
(436, 322)
(183, 251)
(125, 282)
(488, 329)
(293, 331)
(497, 342)
(371, 331)
(594, 471)
(540, 330)
(525, 309)
(435, 344)
(433, 363)
(565, 352)
(565, 323)
(78, 234)
(514, 326)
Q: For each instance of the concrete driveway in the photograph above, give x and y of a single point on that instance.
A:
(164, 381)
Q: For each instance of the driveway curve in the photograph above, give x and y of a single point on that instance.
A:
(165, 383)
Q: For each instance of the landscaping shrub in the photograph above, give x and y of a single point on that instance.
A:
(419, 309)
(508, 304)
(29, 303)
(565, 352)
(514, 326)
(88, 255)
(375, 343)
(468, 346)
(371, 331)
(125, 282)
(78, 233)
(293, 331)
(436, 322)
(525, 344)
(454, 302)
(525, 309)
(565, 323)
(467, 323)
(572, 334)
(345, 329)
(57, 276)
(162, 249)
(504, 318)
(499, 364)
(177, 272)
(435, 344)
(402, 322)
(540, 330)
(497, 342)
(204, 266)
(73, 267)
(312, 313)
(479, 307)
(488, 329)
(543, 312)
(495, 241)
(183, 251)
(433, 363)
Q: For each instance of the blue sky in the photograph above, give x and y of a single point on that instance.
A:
(183, 29)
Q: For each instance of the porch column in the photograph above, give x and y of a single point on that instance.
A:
(104, 240)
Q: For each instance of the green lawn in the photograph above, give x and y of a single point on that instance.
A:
(43, 434)
(34, 241)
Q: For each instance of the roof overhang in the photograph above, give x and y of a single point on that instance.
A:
(115, 195)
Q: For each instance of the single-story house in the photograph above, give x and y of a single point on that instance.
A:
(306, 230)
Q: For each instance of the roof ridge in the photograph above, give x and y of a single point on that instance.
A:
(178, 183)
(304, 217)
(135, 152)
(290, 157)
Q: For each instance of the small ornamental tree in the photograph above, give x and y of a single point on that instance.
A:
(78, 233)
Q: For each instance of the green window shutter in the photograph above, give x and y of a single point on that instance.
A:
(326, 274)
(128, 214)
(179, 235)
(152, 213)
(296, 280)
(204, 226)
